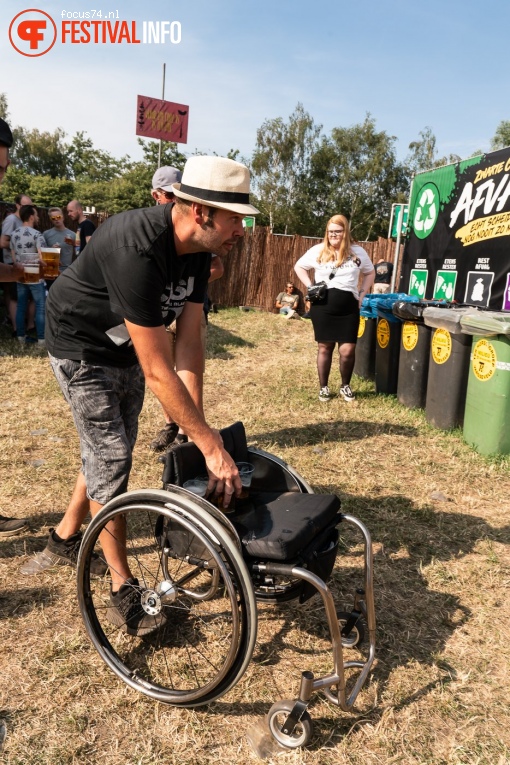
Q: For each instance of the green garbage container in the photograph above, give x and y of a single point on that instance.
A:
(448, 368)
(487, 416)
(486, 323)
(364, 366)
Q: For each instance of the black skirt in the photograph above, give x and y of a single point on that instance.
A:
(336, 319)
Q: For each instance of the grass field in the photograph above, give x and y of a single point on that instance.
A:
(439, 516)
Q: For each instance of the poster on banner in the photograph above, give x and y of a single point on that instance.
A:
(163, 120)
(459, 233)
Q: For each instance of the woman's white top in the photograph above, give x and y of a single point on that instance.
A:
(346, 276)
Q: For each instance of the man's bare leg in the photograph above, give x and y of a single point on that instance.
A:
(77, 510)
(112, 539)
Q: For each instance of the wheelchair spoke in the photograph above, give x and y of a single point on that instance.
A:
(195, 628)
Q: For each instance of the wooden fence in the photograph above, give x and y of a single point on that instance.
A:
(259, 266)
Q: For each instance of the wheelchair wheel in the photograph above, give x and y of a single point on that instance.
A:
(192, 582)
(357, 634)
(276, 717)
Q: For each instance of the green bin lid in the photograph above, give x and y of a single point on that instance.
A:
(486, 323)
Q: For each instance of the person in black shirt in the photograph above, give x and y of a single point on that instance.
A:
(85, 226)
(383, 274)
(162, 193)
(106, 319)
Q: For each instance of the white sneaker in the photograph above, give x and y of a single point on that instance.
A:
(324, 394)
(346, 393)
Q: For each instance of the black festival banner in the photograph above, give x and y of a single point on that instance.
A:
(458, 245)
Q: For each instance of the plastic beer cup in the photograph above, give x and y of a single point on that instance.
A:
(31, 267)
(51, 258)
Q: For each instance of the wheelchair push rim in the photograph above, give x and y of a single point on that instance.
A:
(187, 562)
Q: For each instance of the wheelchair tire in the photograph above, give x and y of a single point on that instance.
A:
(192, 581)
(356, 636)
(276, 717)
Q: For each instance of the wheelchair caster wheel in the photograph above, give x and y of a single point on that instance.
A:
(357, 634)
(276, 717)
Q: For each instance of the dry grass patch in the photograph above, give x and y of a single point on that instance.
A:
(439, 694)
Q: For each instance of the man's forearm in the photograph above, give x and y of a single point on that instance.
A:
(171, 390)
(194, 386)
(189, 365)
(153, 352)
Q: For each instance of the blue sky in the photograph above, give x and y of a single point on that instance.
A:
(439, 64)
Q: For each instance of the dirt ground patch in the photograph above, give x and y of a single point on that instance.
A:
(438, 514)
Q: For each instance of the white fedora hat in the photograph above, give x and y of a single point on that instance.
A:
(216, 182)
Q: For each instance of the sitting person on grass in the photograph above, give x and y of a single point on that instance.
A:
(287, 302)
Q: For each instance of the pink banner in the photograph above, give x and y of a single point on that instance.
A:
(162, 119)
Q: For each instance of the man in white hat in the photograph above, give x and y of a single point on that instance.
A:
(106, 319)
(162, 193)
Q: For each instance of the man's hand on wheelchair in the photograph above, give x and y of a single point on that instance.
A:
(223, 476)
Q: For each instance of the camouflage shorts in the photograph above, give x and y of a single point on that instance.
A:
(105, 402)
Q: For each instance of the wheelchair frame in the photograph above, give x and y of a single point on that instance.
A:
(210, 572)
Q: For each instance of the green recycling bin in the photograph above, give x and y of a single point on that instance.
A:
(487, 415)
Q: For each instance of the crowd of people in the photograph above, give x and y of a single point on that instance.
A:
(22, 243)
(132, 312)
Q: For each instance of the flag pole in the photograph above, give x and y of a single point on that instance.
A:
(163, 98)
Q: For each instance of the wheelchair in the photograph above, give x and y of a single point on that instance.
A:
(202, 571)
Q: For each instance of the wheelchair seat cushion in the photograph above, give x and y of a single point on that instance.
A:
(279, 527)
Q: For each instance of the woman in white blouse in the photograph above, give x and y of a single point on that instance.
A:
(341, 265)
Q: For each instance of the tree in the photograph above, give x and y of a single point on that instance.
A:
(4, 109)
(170, 154)
(501, 137)
(88, 163)
(46, 191)
(40, 153)
(132, 190)
(355, 172)
(423, 154)
(281, 164)
(16, 181)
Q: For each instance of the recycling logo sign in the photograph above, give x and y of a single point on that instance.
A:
(444, 288)
(418, 283)
(426, 211)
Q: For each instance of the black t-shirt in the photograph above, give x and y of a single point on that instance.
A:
(86, 228)
(383, 272)
(131, 271)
